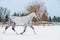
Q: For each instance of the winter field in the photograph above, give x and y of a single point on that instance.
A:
(51, 32)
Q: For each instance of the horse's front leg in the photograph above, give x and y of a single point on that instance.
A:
(24, 30)
(13, 26)
(32, 28)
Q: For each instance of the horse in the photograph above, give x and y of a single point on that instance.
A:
(21, 21)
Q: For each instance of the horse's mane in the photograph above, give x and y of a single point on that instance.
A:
(26, 14)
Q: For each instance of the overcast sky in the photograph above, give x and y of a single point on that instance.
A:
(53, 6)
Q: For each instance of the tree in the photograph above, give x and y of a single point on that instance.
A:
(0, 19)
(6, 18)
(58, 19)
(34, 7)
(44, 16)
(50, 20)
(15, 14)
(54, 19)
(3, 13)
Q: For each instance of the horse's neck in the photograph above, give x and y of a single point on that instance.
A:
(31, 15)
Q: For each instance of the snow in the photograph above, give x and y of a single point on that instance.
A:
(42, 33)
(51, 32)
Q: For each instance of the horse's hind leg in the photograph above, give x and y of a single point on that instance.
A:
(6, 28)
(33, 29)
(24, 30)
(13, 26)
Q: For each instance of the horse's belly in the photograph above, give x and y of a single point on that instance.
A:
(21, 22)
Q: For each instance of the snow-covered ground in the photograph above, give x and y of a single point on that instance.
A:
(42, 33)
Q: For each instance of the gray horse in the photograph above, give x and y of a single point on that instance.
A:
(14, 21)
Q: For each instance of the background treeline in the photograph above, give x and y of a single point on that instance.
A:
(4, 14)
(15, 14)
(5, 19)
(54, 19)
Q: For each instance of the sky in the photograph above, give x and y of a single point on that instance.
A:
(53, 6)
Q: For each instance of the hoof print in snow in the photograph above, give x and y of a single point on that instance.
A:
(21, 33)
